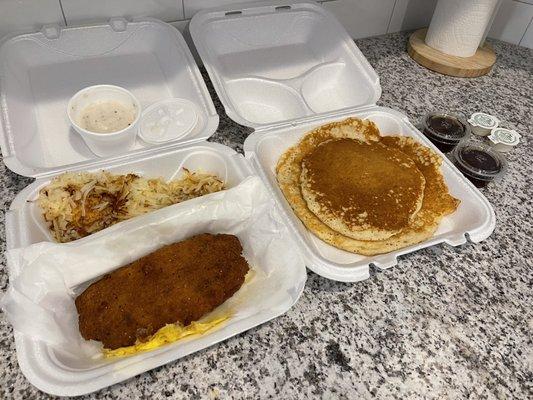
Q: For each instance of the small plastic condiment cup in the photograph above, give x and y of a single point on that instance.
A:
(482, 123)
(445, 129)
(168, 120)
(104, 144)
(479, 162)
(504, 140)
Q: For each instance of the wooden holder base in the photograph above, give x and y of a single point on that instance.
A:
(479, 64)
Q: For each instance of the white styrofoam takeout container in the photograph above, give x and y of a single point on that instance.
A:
(282, 69)
(245, 210)
(474, 217)
(40, 72)
(166, 70)
(287, 68)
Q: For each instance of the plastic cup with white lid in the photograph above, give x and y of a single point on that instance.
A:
(168, 120)
(483, 123)
(503, 139)
(104, 143)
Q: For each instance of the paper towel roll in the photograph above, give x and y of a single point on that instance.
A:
(457, 26)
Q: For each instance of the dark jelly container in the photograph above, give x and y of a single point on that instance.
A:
(445, 130)
(479, 163)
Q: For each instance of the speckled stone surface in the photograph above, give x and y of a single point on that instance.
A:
(446, 323)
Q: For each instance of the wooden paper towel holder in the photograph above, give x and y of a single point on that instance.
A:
(479, 64)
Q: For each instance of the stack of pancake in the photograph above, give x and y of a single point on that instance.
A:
(362, 192)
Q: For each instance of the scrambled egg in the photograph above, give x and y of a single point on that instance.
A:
(173, 332)
(167, 334)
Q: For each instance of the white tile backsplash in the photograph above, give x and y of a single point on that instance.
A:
(77, 11)
(411, 14)
(20, 15)
(511, 22)
(362, 18)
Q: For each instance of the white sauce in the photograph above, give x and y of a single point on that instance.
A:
(107, 116)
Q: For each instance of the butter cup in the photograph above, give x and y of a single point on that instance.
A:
(483, 123)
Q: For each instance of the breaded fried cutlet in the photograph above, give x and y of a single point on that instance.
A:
(178, 283)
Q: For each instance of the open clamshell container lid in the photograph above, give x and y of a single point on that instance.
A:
(280, 63)
(285, 68)
(41, 71)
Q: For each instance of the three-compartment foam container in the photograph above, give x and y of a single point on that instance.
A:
(285, 69)
(282, 69)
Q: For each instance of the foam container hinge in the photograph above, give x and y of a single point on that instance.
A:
(474, 216)
(41, 71)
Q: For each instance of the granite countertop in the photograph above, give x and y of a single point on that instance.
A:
(444, 323)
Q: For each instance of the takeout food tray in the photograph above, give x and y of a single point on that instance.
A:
(57, 271)
(474, 219)
(25, 225)
(282, 69)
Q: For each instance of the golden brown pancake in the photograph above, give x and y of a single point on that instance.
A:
(366, 191)
(436, 204)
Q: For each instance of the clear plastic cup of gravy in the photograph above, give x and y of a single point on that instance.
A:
(445, 129)
(479, 163)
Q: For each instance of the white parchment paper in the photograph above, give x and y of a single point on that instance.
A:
(46, 277)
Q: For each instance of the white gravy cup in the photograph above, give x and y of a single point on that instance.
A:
(104, 144)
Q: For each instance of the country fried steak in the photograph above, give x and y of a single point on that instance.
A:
(179, 283)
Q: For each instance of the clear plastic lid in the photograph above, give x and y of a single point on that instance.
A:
(483, 120)
(479, 161)
(445, 126)
(168, 120)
